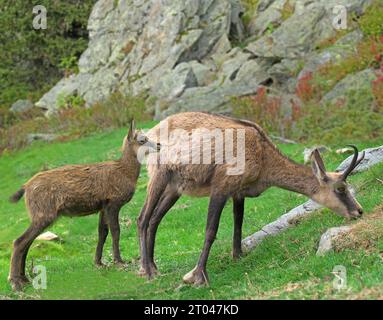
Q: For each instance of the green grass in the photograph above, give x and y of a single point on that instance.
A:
(281, 267)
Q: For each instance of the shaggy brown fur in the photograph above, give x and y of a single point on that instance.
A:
(265, 167)
(79, 190)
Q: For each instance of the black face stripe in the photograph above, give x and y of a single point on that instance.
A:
(347, 199)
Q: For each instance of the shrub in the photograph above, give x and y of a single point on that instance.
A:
(354, 119)
(371, 23)
(32, 60)
(377, 90)
(267, 111)
(306, 89)
(76, 121)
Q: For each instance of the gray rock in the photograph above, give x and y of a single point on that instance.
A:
(311, 23)
(173, 84)
(21, 106)
(41, 137)
(64, 88)
(179, 51)
(294, 38)
(326, 243)
(343, 48)
(268, 13)
(203, 74)
(352, 84)
(134, 43)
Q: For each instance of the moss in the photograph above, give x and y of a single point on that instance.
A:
(287, 11)
(250, 9)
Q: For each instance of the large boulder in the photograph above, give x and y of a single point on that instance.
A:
(311, 23)
(191, 54)
(133, 44)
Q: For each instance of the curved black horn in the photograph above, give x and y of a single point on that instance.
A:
(354, 163)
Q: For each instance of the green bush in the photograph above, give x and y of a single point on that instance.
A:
(31, 61)
(74, 120)
(355, 120)
(371, 23)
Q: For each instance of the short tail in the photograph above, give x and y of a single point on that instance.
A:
(17, 196)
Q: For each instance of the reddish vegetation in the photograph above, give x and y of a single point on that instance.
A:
(305, 88)
(377, 85)
(377, 89)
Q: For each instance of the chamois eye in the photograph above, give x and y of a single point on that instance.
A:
(340, 189)
(142, 140)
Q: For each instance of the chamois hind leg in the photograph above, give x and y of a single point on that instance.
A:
(238, 212)
(167, 201)
(102, 235)
(198, 276)
(114, 226)
(156, 187)
(17, 276)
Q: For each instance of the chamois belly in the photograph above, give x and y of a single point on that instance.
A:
(79, 209)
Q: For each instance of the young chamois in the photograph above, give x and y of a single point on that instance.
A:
(80, 190)
(265, 166)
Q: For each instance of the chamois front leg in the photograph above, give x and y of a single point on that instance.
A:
(156, 188)
(168, 199)
(238, 212)
(102, 235)
(113, 212)
(198, 276)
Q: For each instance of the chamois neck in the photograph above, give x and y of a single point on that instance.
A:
(130, 161)
(289, 175)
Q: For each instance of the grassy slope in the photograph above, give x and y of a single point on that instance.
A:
(284, 266)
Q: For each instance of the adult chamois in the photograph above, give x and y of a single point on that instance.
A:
(174, 174)
(80, 190)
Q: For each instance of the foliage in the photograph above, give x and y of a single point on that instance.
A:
(267, 111)
(73, 120)
(250, 9)
(287, 10)
(377, 89)
(73, 101)
(69, 65)
(31, 61)
(371, 23)
(354, 120)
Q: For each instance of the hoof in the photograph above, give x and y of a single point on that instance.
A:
(100, 265)
(120, 263)
(237, 255)
(150, 272)
(18, 283)
(197, 278)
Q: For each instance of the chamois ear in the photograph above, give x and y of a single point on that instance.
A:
(318, 166)
(131, 131)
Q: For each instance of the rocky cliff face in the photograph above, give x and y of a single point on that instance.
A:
(182, 52)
